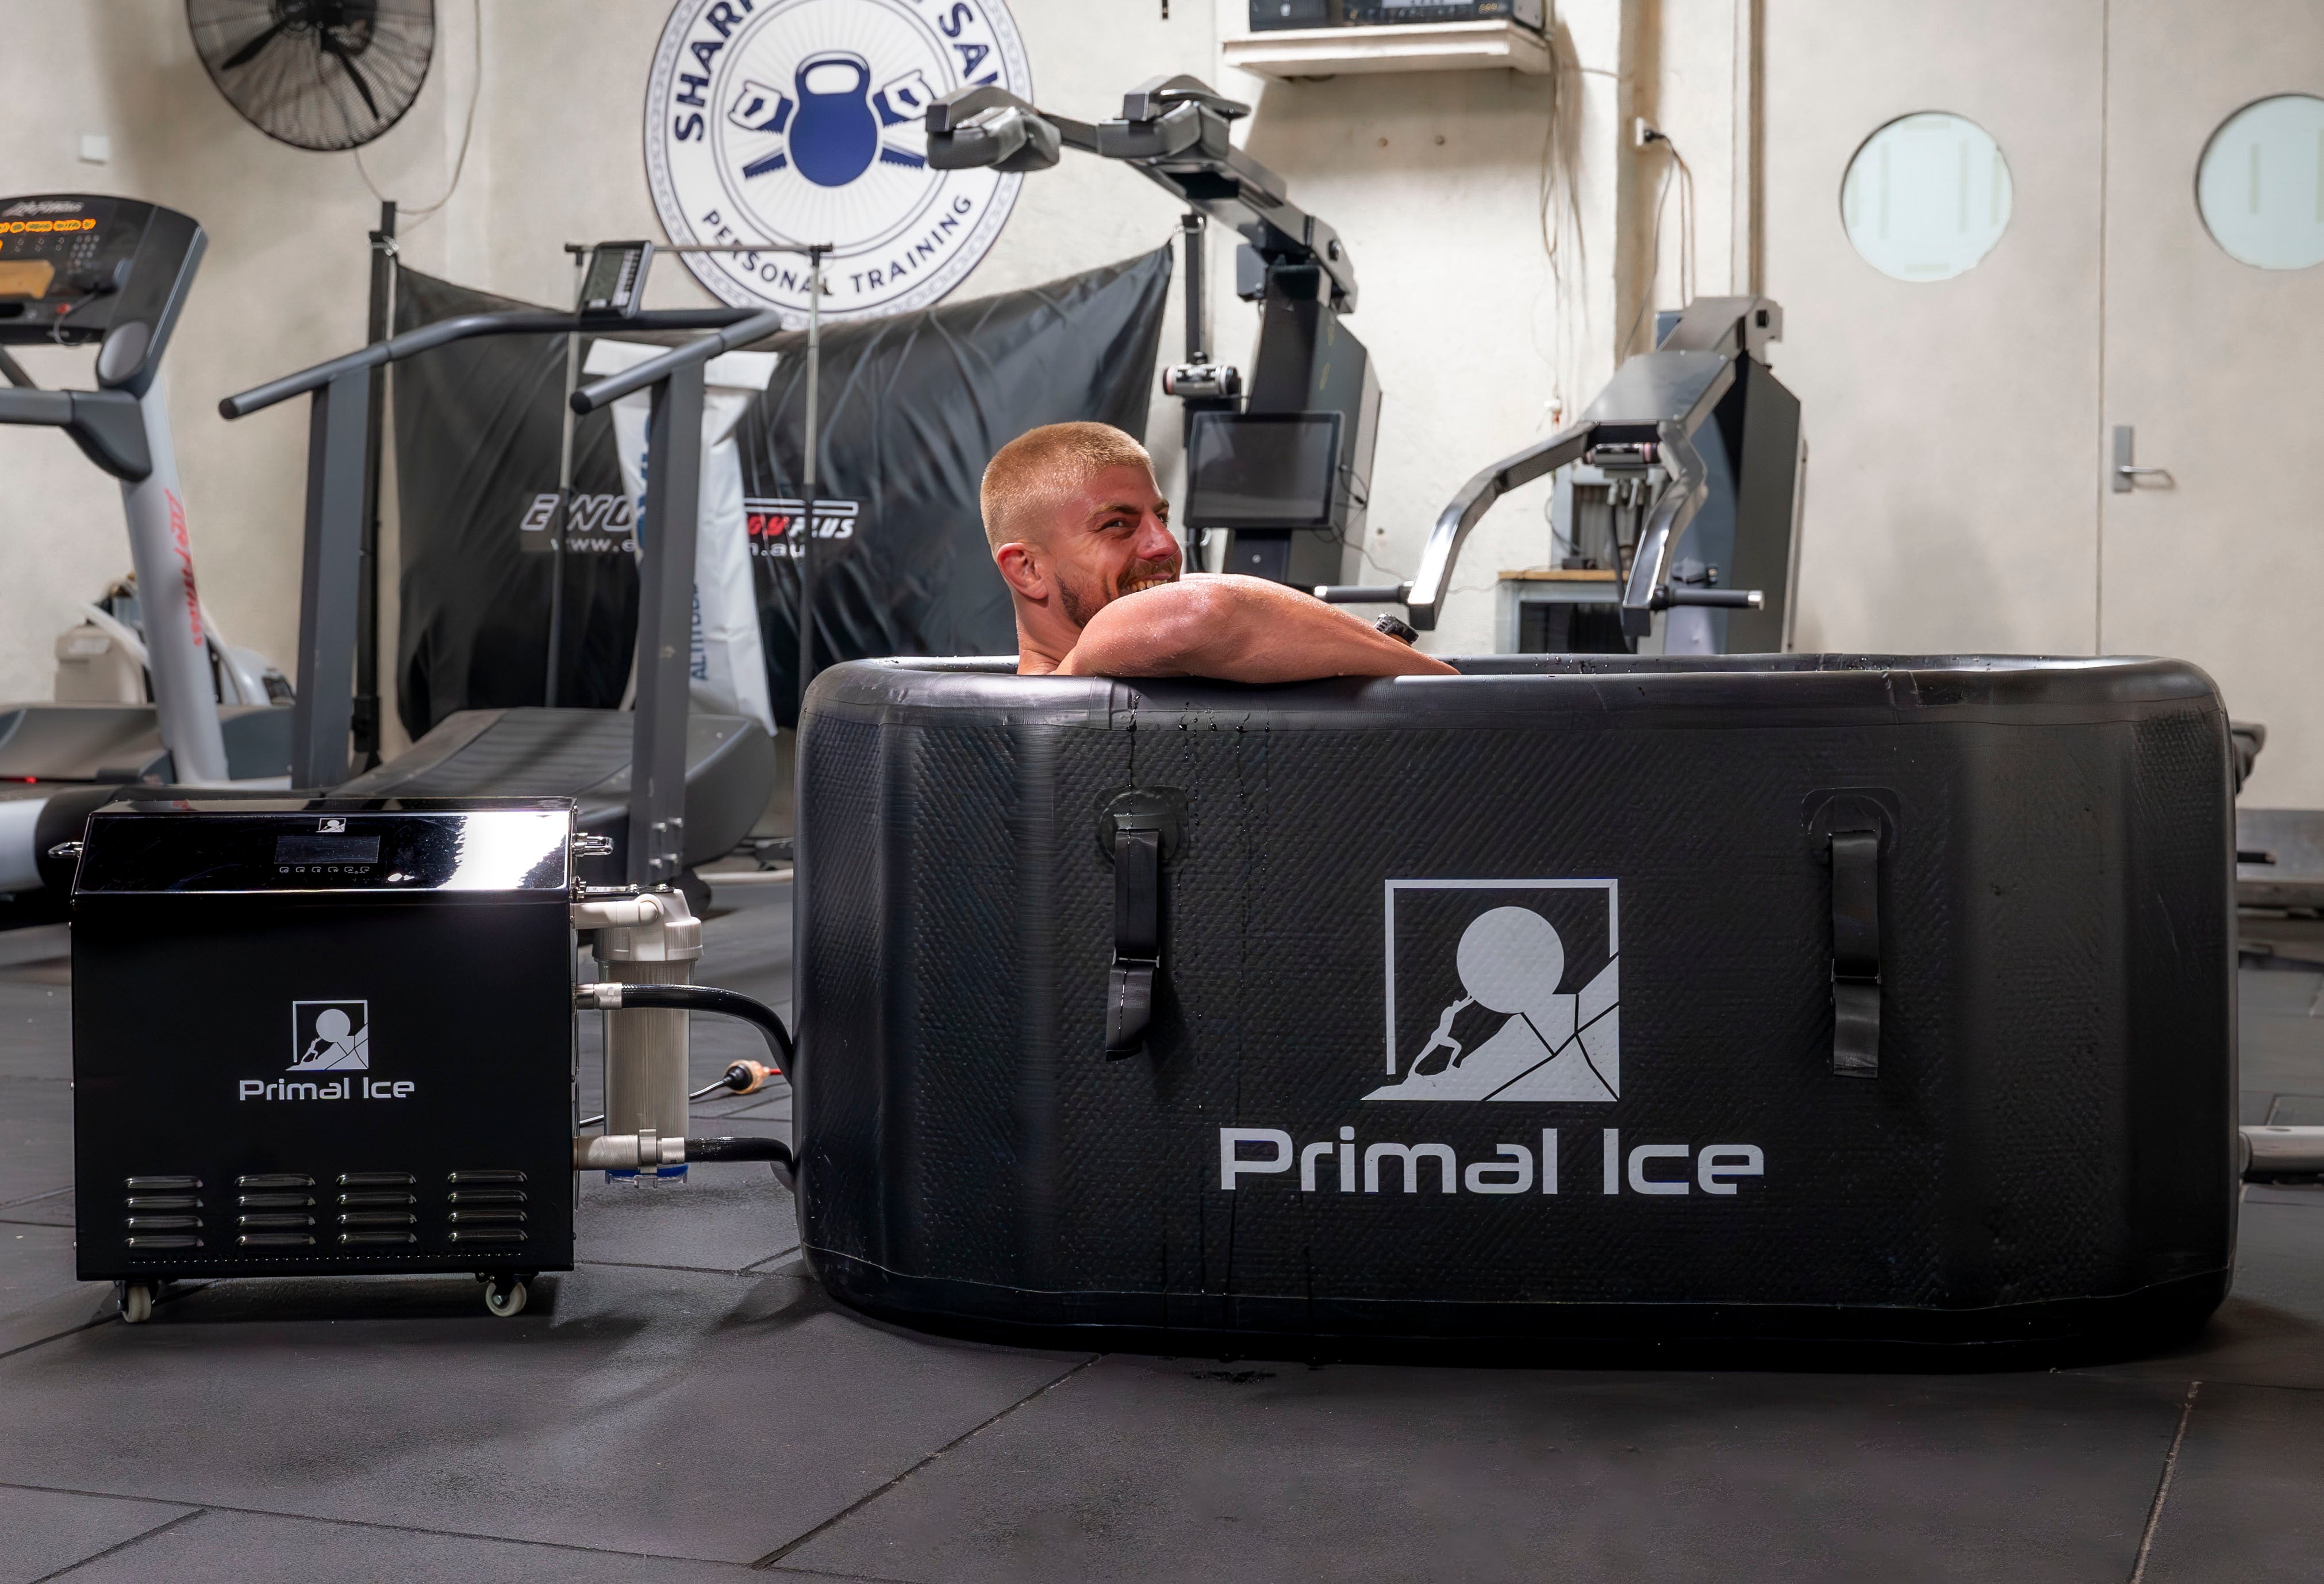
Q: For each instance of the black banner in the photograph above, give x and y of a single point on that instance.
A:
(913, 406)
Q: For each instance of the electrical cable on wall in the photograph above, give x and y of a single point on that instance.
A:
(1680, 171)
(1560, 209)
(420, 215)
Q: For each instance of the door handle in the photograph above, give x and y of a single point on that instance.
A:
(2126, 476)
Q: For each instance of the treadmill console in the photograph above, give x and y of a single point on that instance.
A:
(75, 268)
(613, 285)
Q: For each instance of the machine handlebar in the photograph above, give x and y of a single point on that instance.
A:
(516, 321)
(613, 386)
(53, 408)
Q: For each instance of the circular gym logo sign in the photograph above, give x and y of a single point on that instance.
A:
(804, 121)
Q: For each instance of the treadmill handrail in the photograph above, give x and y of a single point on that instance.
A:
(613, 386)
(463, 327)
(50, 407)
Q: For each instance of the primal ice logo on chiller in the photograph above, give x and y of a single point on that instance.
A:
(330, 1036)
(1502, 990)
(804, 121)
(328, 1040)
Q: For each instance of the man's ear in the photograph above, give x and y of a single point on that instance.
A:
(1022, 570)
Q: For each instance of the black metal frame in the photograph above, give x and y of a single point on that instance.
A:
(336, 465)
(1653, 409)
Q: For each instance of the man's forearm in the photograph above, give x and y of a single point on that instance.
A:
(1238, 629)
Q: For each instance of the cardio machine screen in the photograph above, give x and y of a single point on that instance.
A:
(1262, 469)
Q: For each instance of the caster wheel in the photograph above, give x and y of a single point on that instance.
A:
(505, 1296)
(136, 1301)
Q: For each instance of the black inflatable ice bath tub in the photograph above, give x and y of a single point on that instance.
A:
(1503, 1005)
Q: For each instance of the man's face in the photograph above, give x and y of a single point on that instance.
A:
(1110, 537)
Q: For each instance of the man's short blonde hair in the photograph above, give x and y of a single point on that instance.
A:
(1044, 463)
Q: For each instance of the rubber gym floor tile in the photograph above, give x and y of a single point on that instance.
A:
(2277, 992)
(73, 1307)
(2283, 1055)
(2242, 1503)
(35, 1136)
(652, 1411)
(2271, 1330)
(725, 1217)
(251, 1548)
(34, 1262)
(52, 1209)
(2297, 1110)
(44, 1532)
(1163, 1471)
(35, 1032)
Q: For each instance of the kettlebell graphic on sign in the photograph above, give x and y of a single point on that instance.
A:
(834, 136)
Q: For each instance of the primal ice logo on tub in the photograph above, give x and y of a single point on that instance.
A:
(330, 1039)
(1503, 991)
(804, 121)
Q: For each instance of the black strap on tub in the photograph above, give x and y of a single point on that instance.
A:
(1137, 828)
(1137, 940)
(1856, 953)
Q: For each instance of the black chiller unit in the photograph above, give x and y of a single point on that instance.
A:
(319, 1042)
(333, 1035)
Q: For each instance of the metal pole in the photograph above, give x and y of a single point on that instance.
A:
(323, 712)
(1198, 330)
(813, 443)
(381, 325)
(656, 833)
(564, 500)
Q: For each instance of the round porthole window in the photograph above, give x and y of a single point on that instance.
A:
(1926, 197)
(2260, 184)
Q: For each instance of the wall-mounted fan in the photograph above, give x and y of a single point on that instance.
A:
(317, 74)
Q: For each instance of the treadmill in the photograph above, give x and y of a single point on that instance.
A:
(77, 269)
(725, 762)
(709, 777)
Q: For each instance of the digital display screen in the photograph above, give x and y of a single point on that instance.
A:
(611, 281)
(1262, 469)
(28, 277)
(327, 849)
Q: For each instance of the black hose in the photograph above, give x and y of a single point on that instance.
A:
(739, 1149)
(725, 1004)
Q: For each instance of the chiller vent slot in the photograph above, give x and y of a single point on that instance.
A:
(163, 1201)
(476, 1235)
(276, 1240)
(278, 1218)
(164, 1223)
(484, 1218)
(276, 1201)
(465, 1197)
(162, 1184)
(378, 1219)
(475, 1179)
(377, 1180)
(274, 1180)
(164, 1240)
(376, 1239)
(379, 1196)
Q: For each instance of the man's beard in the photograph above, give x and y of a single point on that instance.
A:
(1080, 607)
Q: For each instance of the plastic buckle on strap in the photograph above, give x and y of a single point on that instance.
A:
(1856, 953)
(1137, 940)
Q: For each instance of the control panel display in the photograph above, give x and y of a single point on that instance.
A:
(66, 262)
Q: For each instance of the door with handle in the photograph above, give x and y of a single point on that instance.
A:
(2211, 525)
